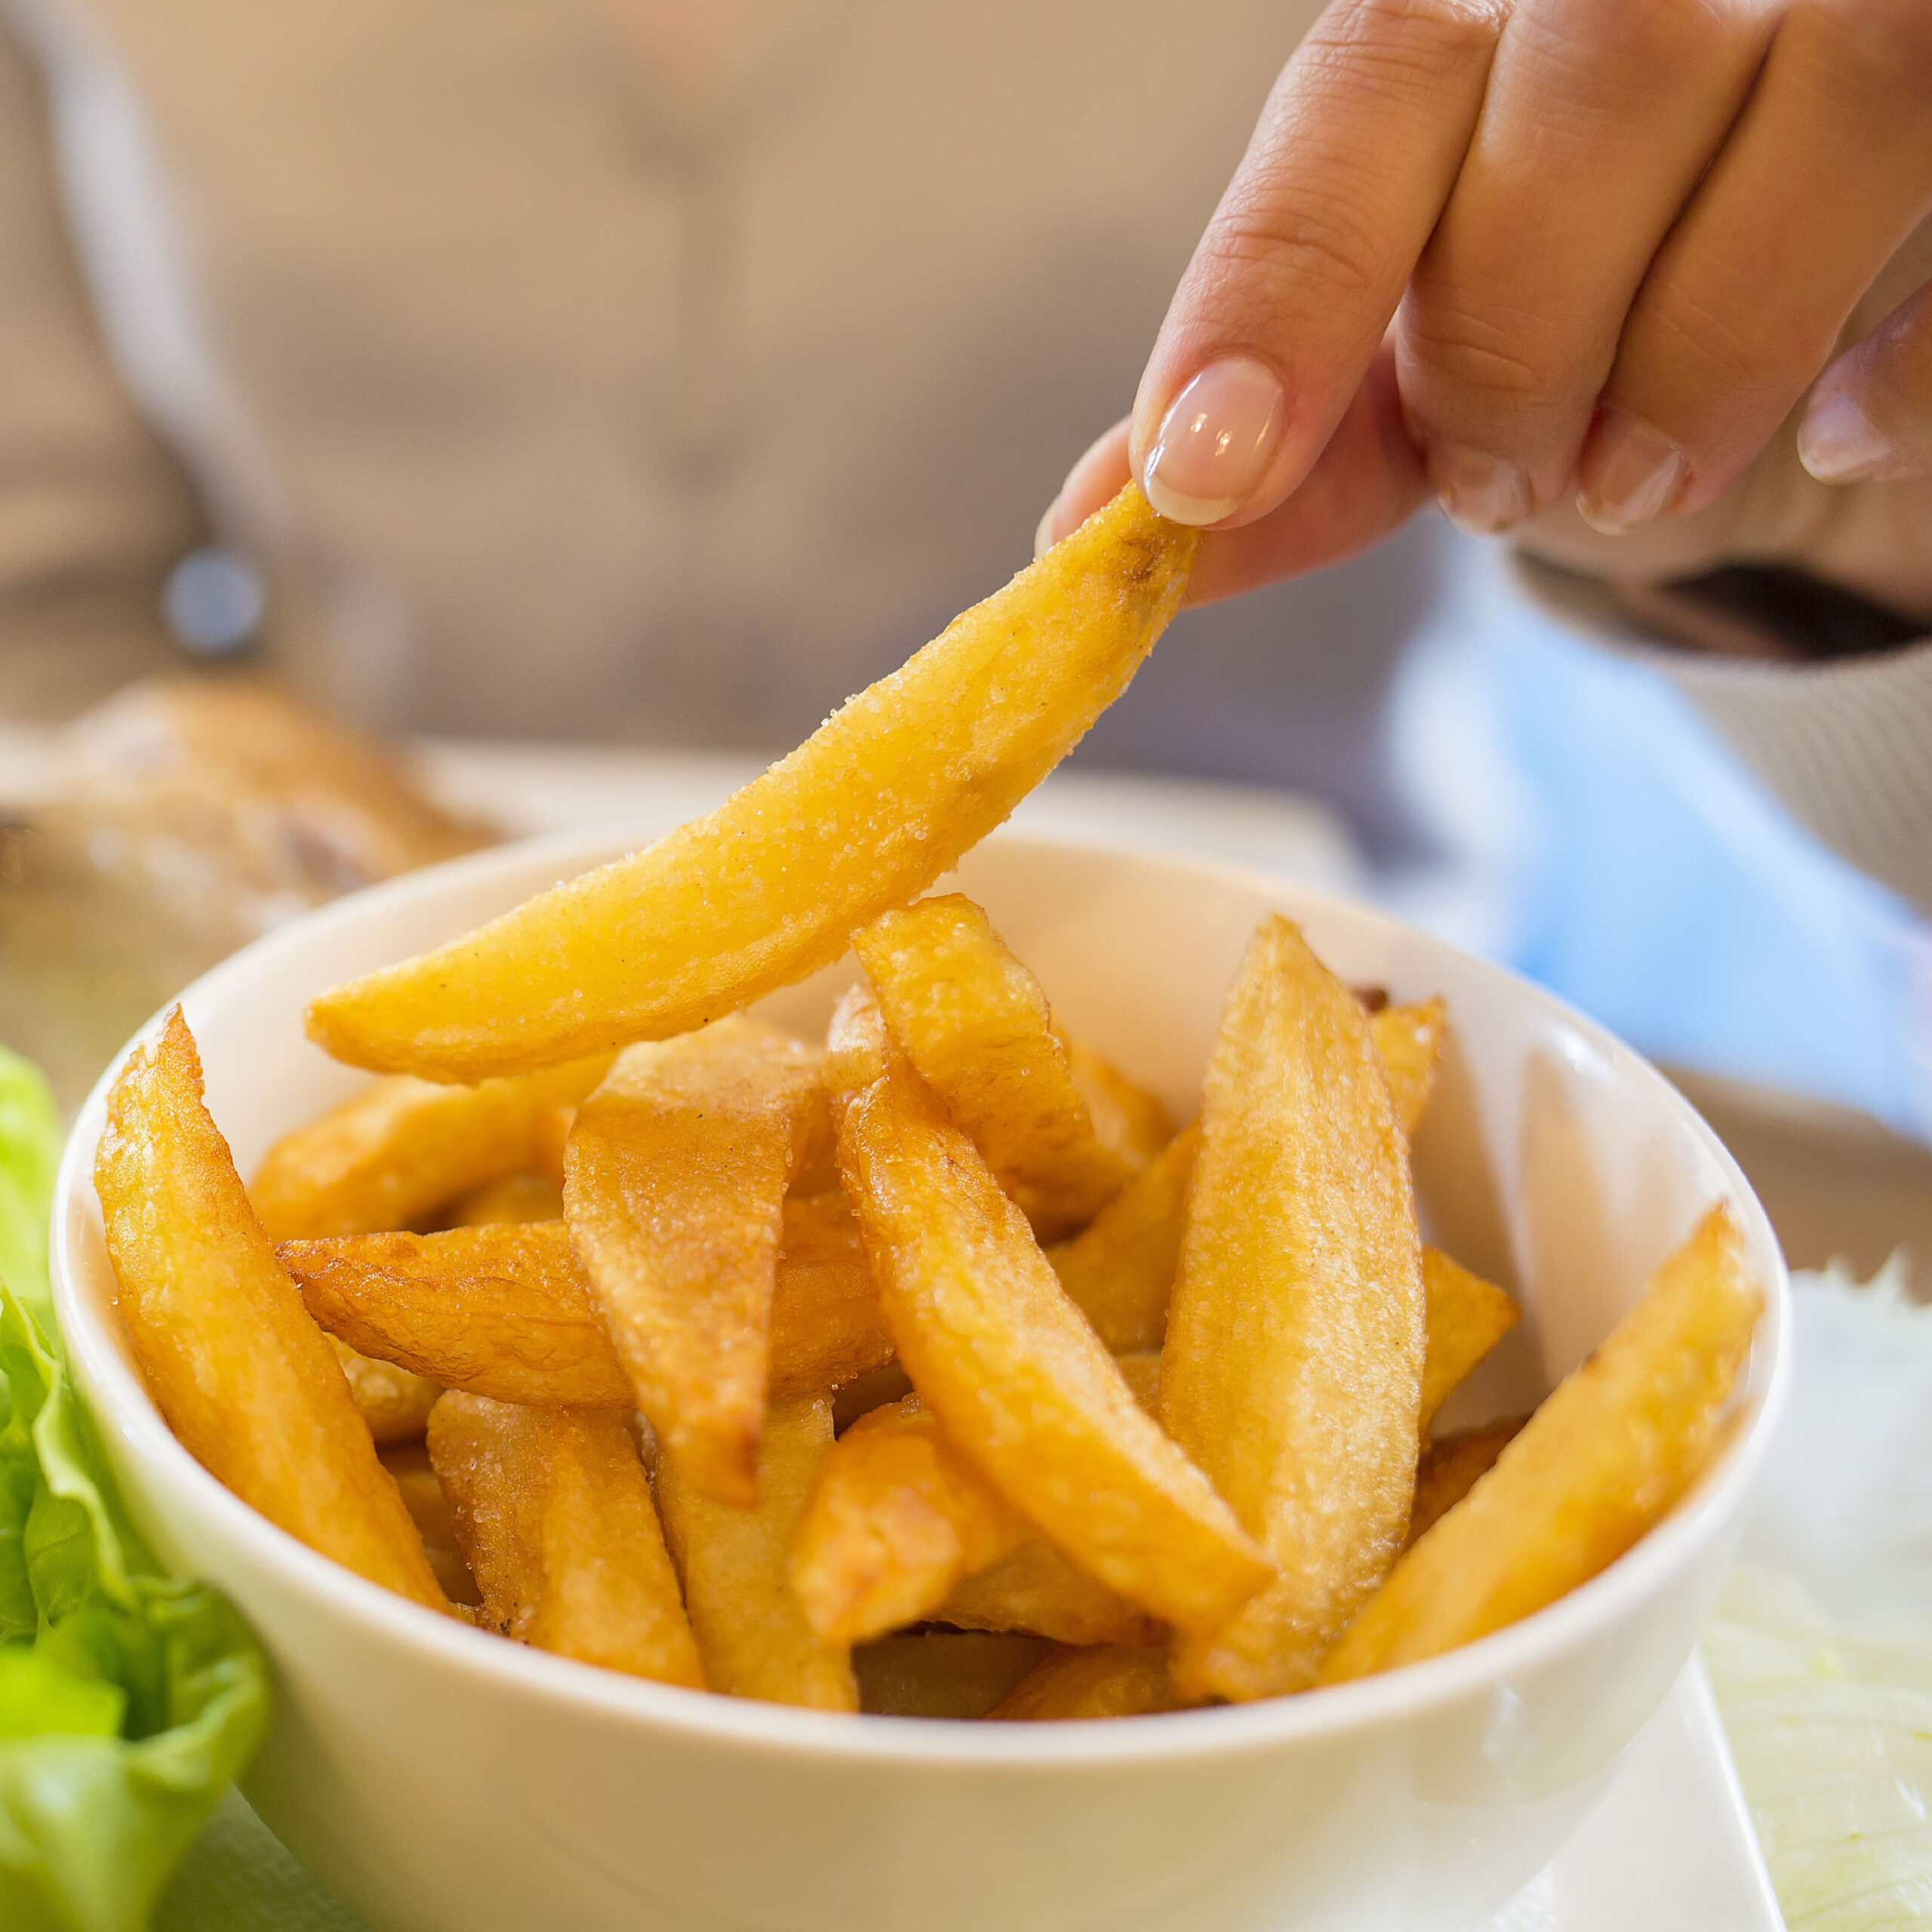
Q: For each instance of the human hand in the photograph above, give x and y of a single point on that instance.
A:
(1574, 267)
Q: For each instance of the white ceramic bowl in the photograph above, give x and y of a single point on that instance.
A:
(440, 1779)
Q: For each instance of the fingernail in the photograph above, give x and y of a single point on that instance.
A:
(1216, 441)
(1839, 443)
(1628, 473)
(1044, 539)
(1479, 493)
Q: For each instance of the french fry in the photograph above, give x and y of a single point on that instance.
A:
(1119, 1270)
(504, 1310)
(1450, 1467)
(249, 1384)
(1127, 1119)
(751, 1633)
(1611, 1448)
(958, 1674)
(393, 1403)
(900, 1529)
(1292, 1370)
(857, 1047)
(1409, 1039)
(862, 816)
(674, 1190)
(554, 1512)
(402, 1148)
(1022, 1385)
(1464, 1318)
(1109, 1680)
(435, 1522)
(974, 1023)
(528, 1197)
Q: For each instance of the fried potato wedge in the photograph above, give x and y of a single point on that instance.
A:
(751, 1633)
(247, 1381)
(528, 1197)
(958, 1674)
(1409, 1038)
(1119, 1270)
(770, 887)
(900, 1529)
(975, 1024)
(554, 1512)
(1292, 1369)
(1611, 1448)
(504, 1310)
(1464, 1318)
(1109, 1680)
(857, 1047)
(675, 1180)
(1127, 1119)
(402, 1148)
(436, 1521)
(1025, 1390)
(393, 1402)
(1450, 1467)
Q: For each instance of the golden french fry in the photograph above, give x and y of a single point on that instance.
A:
(1409, 1039)
(862, 816)
(1109, 1680)
(504, 1310)
(1464, 1318)
(674, 1190)
(942, 1673)
(1127, 1119)
(1024, 1388)
(1611, 1448)
(393, 1403)
(751, 1633)
(1119, 1270)
(402, 1148)
(1450, 1467)
(1292, 1370)
(1033, 1588)
(436, 1521)
(974, 1023)
(857, 1047)
(530, 1197)
(554, 1512)
(246, 1380)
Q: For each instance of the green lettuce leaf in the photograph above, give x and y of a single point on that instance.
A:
(128, 1699)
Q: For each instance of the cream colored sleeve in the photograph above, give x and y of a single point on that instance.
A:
(1846, 744)
(94, 511)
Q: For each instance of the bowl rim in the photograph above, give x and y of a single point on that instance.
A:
(119, 1404)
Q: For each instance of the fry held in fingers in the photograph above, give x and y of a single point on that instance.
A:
(675, 1178)
(1608, 1452)
(1025, 1390)
(554, 1513)
(247, 1381)
(1293, 1366)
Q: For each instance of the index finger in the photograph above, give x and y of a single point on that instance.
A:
(1281, 311)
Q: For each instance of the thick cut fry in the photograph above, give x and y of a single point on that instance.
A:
(504, 1310)
(857, 1047)
(1025, 1390)
(974, 1023)
(674, 1190)
(553, 1510)
(1465, 1317)
(901, 1529)
(435, 1521)
(770, 887)
(247, 1381)
(1409, 1039)
(1120, 1269)
(530, 1197)
(392, 1401)
(1292, 1370)
(1450, 1468)
(1126, 1118)
(751, 1633)
(402, 1148)
(1612, 1447)
(1109, 1680)
(942, 1673)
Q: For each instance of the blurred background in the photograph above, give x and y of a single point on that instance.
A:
(425, 422)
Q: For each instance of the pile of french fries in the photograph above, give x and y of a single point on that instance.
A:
(923, 1369)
